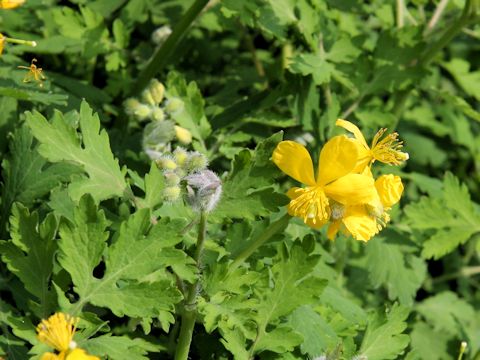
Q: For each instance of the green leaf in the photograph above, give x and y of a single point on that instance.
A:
(30, 256)
(447, 313)
(384, 338)
(191, 116)
(428, 343)
(27, 176)
(402, 274)
(468, 80)
(311, 64)
(343, 51)
(135, 282)
(247, 191)
(59, 142)
(120, 347)
(455, 218)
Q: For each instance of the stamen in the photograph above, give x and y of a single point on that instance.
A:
(311, 205)
(387, 149)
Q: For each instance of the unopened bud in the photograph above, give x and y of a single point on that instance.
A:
(156, 90)
(166, 163)
(131, 105)
(171, 178)
(204, 190)
(196, 162)
(158, 114)
(157, 133)
(171, 193)
(183, 135)
(181, 156)
(147, 97)
(143, 111)
(161, 34)
(174, 105)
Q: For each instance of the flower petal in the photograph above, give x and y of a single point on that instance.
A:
(359, 224)
(337, 158)
(347, 125)
(352, 189)
(333, 229)
(80, 354)
(390, 189)
(295, 161)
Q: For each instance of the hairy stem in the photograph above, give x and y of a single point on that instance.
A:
(190, 306)
(271, 230)
(161, 56)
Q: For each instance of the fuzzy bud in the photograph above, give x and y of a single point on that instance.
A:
(196, 162)
(157, 90)
(181, 156)
(166, 163)
(143, 112)
(174, 105)
(171, 178)
(131, 106)
(161, 34)
(204, 190)
(171, 193)
(183, 135)
(158, 114)
(157, 133)
(148, 98)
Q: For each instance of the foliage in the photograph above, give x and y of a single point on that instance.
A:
(95, 226)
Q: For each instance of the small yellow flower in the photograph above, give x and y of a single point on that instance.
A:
(386, 149)
(2, 43)
(365, 220)
(57, 332)
(334, 181)
(10, 4)
(35, 73)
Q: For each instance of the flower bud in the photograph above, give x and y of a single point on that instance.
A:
(147, 97)
(174, 105)
(161, 34)
(171, 178)
(157, 133)
(158, 114)
(130, 105)
(142, 111)
(181, 156)
(204, 190)
(183, 135)
(196, 162)
(156, 90)
(171, 193)
(166, 163)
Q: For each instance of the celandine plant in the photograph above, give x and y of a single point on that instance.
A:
(183, 184)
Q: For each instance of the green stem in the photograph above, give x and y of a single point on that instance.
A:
(161, 56)
(20, 41)
(190, 307)
(464, 272)
(271, 230)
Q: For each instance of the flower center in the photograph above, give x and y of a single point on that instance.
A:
(387, 150)
(311, 205)
(57, 332)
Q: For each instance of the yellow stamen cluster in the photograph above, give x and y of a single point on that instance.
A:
(57, 332)
(387, 150)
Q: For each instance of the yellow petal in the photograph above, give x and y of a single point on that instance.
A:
(10, 4)
(347, 125)
(359, 224)
(390, 189)
(337, 158)
(352, 189)
(333, 229)
(295, 161)
(80, 354)
(49, 356)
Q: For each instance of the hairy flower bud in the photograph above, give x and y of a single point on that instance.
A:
(166, 163)
(174, 105)
(183, 135)
(142, 111)
(147, 97)
(204, 190)
(171, 193)
(156, 90)
(161, 34)
(171, 178)
(196, 162)
(181, 156)
(158, 114)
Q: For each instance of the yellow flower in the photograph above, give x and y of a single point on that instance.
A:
(10, 4)
(334, 180)
(386, 149)
(2, 43)
(365, 220)
(57, 332)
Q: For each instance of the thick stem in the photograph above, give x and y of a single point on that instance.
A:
(190, 307)
(400, 14)
(271, 230)
(161, 56)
